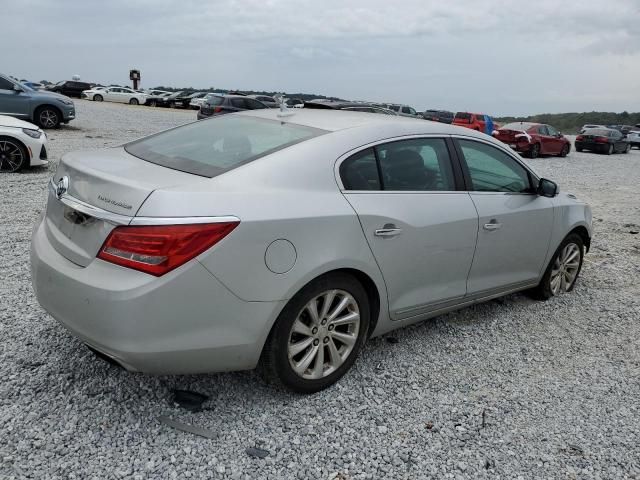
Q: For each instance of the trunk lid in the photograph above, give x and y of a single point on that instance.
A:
(104, 188)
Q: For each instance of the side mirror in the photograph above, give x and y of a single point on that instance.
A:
(547, 188)
(18, 88)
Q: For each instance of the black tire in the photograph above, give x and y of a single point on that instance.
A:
(534, 151)
(47, 117)
(98, 98)
(134, 101)
(275, 365)
(610, 149)
(153, 103)
(543, 290)
(14, 156)
(565, 150)
(627, 148)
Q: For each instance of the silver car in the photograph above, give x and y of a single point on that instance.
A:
(287, 239)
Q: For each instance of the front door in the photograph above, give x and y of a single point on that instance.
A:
(421, 229)
(12, 102)
(515, 223)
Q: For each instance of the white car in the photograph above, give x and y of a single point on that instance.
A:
(115, 94)
(22, 145)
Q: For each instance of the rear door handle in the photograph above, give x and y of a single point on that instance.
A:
(389, 230)
(492, 225)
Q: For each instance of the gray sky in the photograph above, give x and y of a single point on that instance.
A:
(492, 56)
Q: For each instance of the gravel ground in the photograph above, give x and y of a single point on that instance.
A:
(506, 390)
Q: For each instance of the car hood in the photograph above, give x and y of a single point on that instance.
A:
(6, 121)
(45, 94)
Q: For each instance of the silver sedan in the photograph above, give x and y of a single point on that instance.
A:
(286, 240)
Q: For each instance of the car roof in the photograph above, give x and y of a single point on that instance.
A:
(335, 120)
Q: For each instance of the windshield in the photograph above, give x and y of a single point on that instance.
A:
(27, 88)
(214, 146)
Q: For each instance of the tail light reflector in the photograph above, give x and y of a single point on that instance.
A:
(159, 249)
(579, 138)
(217, 109)
(602, 140)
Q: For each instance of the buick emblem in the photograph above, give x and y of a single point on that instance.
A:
(62, 186)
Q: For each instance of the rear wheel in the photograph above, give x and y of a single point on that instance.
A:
(98, 98)
(153, 103)
(534, 151)
(563, 269)
(565, 150)
(47, 117)
(13, 155)
(627, 148)
(134, 101)
(318, 335)
(609, 149)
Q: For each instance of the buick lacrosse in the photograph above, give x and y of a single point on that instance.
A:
(285, 240)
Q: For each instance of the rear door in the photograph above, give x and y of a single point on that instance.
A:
(421, 229)
(515, 223)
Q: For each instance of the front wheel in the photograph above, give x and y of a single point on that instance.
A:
(13, 156)
(563, 269)
(134, 101)
(318, 335)
(565, 151)
(47, 117)
(98, 98)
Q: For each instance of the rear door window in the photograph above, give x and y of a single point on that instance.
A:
(421, 164)
(360, 171)
(239, 103)
(219, 144)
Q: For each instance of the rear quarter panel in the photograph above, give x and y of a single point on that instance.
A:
(291, 195)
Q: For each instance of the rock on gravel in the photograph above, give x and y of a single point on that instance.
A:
(509, 389)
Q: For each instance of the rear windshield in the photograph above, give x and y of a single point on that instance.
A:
(214, 146)
(463, 116)
(597, 131)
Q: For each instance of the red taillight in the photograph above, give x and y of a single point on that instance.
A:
(579, 138)
(602, 140)
(217, 109)
(159, 249)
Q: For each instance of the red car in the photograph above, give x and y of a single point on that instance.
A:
(533, 139)
(474, 121)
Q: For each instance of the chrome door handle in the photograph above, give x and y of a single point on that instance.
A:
(492, 226)
(387, 232)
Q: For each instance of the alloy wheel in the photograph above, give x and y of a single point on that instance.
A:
(11, 156)
(324, 334)
(48, 118)
(565, 269)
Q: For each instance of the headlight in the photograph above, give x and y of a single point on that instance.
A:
(66, 101)
(32, 133)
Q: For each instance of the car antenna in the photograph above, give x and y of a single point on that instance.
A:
(284, 109)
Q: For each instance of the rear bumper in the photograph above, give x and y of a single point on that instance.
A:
(183, 322)
(592, 146)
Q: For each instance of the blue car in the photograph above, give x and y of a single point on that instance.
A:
(45, 109)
